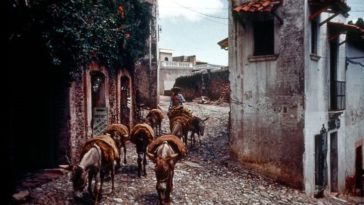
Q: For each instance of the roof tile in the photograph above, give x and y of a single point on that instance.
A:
(257, 6)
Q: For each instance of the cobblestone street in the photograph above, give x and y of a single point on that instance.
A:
(206, 176)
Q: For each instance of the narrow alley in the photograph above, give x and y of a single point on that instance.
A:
(206, 176)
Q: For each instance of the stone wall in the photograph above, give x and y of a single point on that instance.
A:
(210, 84)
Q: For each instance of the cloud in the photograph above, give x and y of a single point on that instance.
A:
(188, 9)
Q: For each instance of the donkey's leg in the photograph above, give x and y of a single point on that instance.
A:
(95, 193)
(89, 187)
(144, 164)
(139, 165)
(102, 175)
(112, 177)
(124, 145)
(192, 136)
(160, 128)
(199, 138)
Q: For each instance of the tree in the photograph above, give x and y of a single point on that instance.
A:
(76, 32)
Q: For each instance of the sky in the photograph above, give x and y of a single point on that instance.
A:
(193, 27)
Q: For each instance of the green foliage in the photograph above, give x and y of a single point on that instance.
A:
(355, 37)
(79, 31)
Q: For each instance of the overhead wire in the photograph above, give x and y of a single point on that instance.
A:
(191, 9)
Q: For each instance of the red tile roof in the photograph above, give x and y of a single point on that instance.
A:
(338, 6)
(224, 44)
(257, 6)
(340, 27)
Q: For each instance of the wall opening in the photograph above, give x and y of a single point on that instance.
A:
(337, 88)
(263, 37)
(333, 162)
(98, 97)
(125, 101)
(359, 171)
(37, 109)
(320, 163)
(314, 35)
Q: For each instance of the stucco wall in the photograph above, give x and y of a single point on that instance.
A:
(317, 100)
(168, 77)
(267, 98)
(354, 108)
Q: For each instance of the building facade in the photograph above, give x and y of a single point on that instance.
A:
(173, 67)
(288, 92)
(147, 69)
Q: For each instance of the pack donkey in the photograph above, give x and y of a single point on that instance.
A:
(154, 118)
(97, 159)
(165, 158)
(120, 133)
(142, 135)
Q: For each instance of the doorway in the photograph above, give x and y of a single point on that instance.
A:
(359, 170)
(99, 110)
(320, 163)
(333, 162)
(125, 101)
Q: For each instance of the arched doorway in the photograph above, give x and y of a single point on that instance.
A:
(98, 99)
(125, 101)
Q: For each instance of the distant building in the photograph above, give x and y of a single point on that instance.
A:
(297, 111)
(172, 67)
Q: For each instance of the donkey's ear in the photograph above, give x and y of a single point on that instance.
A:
(173, 157)
(206, 119)
(151, 156)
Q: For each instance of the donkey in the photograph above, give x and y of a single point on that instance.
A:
(177, 129)
(165, 159)
(154, 119)
(120, 134)
(89, 168)
(94, 164)
(197, 126)
(141, 136)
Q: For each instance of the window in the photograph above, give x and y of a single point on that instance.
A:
(314, 33)
(263, 37)
(337, 99)
(337, 88)
(166, 59)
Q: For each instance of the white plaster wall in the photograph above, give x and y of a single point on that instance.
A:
(317, 90)
(354, 108)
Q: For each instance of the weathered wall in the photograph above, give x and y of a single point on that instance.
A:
(146, 70)
(354, 115)
(210, 84)
(77, 118)
(167, 77)
(80, 105)
(142, 81)
(267, 98)
(317, 100)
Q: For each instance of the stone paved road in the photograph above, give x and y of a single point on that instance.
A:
(206, 176)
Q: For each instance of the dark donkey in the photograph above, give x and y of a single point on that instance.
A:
(142, 135)
(197, 126)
